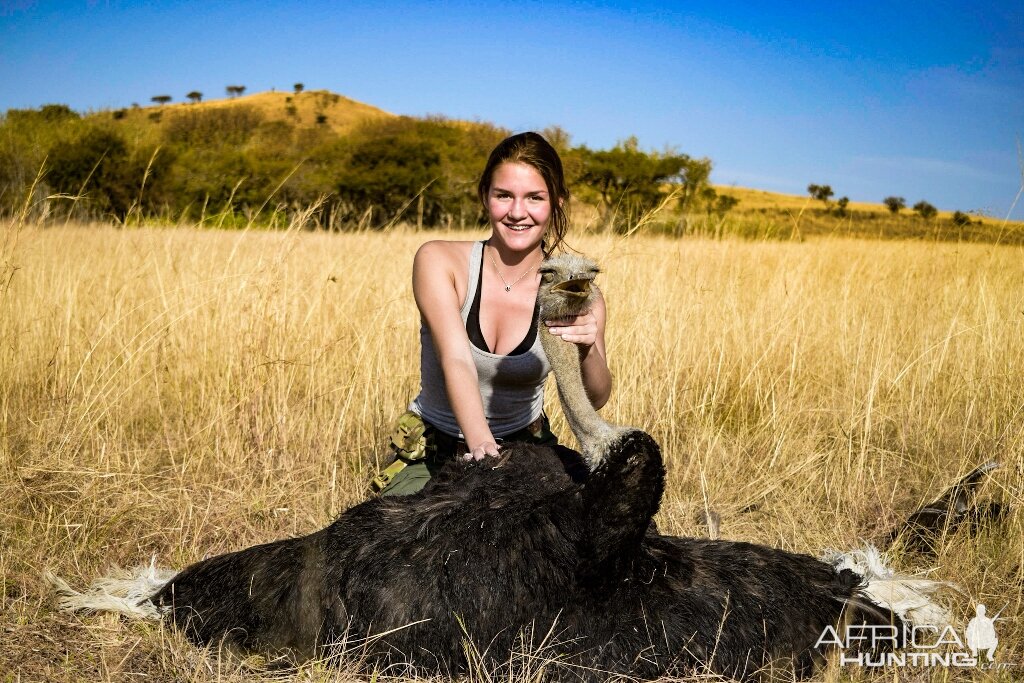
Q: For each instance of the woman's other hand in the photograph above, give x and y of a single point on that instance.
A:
(587, 332)
(579, 329)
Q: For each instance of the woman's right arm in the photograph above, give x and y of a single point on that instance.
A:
(433, 284)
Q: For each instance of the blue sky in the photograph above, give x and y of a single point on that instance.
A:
(923, 100)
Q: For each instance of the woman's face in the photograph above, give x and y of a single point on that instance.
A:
(518, 205)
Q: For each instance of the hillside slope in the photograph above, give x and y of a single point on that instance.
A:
(339, 113)
(778, 202)
(313, 108)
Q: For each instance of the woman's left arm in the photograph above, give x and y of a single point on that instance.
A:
(587, 332)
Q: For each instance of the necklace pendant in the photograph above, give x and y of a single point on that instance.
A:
(508, 288)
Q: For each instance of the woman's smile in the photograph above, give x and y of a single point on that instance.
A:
(518, 202)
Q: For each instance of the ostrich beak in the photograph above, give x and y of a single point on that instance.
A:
(577, 287)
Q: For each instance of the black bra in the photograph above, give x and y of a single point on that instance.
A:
(476, 337)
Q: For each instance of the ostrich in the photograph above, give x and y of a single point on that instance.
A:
(513, 545)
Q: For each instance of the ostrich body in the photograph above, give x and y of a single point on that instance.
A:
(498, 550)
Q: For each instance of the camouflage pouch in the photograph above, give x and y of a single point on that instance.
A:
(409, 439)
(409, 442)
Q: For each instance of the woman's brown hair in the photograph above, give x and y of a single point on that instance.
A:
(533, 150)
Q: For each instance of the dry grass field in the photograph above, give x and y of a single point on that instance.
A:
(181, 392)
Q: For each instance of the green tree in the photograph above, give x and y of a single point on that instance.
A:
(386, 164)
(895, 204)
(559, 138)
(161, 99)
(235, 90)
(386, 174)
(841, 205)
(822, 193)
(694, 179)
(195, 96)
(724, 203)
(925, 210)
(55, 113)
(627, 180)
(961, 219)
(94, 166)
(25, 138)
(299, 87)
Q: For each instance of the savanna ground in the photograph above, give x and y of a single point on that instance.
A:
(183, 392)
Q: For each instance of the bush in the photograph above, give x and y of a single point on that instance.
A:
(26, 135)
(213, 127)
(724, 204)
(841, 205)
(895, 204)
(385, 164)
(49, 116)
(925, 210)
(95, 164)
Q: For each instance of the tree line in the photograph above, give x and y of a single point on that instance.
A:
(193, 163)
(894, 204)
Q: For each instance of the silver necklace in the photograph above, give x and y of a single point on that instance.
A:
(508, 285)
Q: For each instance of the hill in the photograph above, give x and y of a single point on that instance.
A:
(224, 161)
(307, 109)
(340, 114)
(778, 202)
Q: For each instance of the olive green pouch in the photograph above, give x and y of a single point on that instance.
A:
(409, 443)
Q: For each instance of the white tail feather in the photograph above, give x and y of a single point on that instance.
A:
(907, 596)
(122, 591)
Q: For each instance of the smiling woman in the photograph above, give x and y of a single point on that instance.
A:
(482, 367)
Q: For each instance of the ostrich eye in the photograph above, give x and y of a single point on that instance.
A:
(547, 275)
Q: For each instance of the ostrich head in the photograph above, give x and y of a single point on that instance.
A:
(565, 286)
(565, 291)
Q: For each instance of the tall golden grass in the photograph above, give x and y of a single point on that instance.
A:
(183, 392)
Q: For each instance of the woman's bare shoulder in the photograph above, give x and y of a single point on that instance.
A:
(439, 266)
(448, 246)
(449, 252)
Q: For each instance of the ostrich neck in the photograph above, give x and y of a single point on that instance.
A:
(590, 430)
